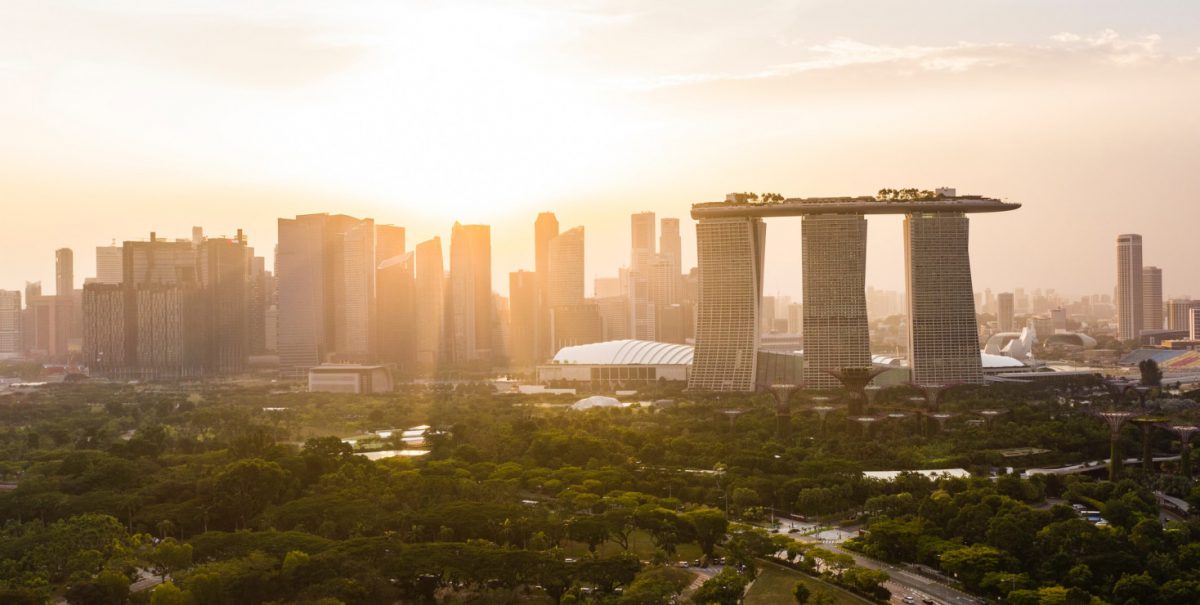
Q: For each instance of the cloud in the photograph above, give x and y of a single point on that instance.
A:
(1105, 47)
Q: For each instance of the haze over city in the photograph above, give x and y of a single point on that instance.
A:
(122, 118)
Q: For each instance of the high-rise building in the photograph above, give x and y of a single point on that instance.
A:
(730, 258)
(836, 333)
(64, 272)
(1194, 324)
(766, 316)
(943, 332)
(104, 330)
(577, 324)
(325, 279)
(395, 306)
(670, 245)
(545, 229)
(1004, 313)
(470, 322)
(566, 281)
(1152, 298)
(259, 301)
(522, 310)
(639, 281)
(606, 287)
(10, 324)
(643, 248)
(67, 307)
(795, 318)
(109, 264)
(1130, 314)
(430, 305)
(1179, 312)
(224, 270)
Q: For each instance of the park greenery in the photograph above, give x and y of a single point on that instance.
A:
(215, 494)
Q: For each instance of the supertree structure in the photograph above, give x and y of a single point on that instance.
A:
(855, 381)
(1185, 432)
(783, 408)
(1115, 419)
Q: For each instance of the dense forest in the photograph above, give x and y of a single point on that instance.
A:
(220, 494)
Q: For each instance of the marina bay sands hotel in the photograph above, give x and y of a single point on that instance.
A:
(943, 342)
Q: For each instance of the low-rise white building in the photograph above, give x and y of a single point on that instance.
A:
(619, 362)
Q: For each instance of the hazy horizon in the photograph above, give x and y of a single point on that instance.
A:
(122, 119)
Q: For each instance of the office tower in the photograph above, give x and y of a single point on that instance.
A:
(325, 278)
(1152, 298)
(168, 329)
(545, 229)
(1194, 324)
(836, 334)
(1178, 313)
(1021, 302)
(670, 245)
(224, 270)
(109, 265)
(1004, 314)
(672, 323)
(1058, 320)
(668, 266)
(354, 293)
(639, 281)
(10, 324)
(40, 327)
(104, 330)
(730, 258)
(33, 290)
(1130, 316)
(501, 319)
(795, 318)
(258, 301)
(304, 300)
(989, 301)
(565, 283)
(470, 321)
(767, 315)
(643, 247)
(614, 317)
(522, 313)
(66, 308)
(395, 306)
(943, 333)
(430, 305)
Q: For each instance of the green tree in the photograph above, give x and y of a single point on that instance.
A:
(246, 487)
(801, 593)
(725, 588)
(168, 593)
(971, 563)
(107, 588)
(709, 526)
(169, 557)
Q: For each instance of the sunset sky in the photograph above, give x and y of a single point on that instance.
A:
(119, 118)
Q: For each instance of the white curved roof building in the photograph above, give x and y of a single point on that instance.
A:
(619, 361)
(626, 352)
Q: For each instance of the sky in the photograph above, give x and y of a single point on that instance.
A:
(118, 118)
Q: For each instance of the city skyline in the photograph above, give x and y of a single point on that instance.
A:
(660, 107)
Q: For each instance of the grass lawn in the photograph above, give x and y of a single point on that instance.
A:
(774, 587)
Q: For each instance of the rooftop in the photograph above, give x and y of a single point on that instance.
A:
(849, 205)
(625, 352)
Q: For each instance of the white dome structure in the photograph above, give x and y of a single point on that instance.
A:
(595, 401)
(619, 362)
(626, 352)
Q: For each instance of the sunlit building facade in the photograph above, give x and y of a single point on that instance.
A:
(836, 334)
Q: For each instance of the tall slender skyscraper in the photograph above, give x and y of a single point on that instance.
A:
(545, 229)
(566, 281)
(430, 305)
(1004, 313)
(64, 272)
(470, 322)
(522, 305)
(835, 305)
(730, 258)
(354, 293)
(643, 252)
(1130, 315)
(1152, 298)
(943, 332)
(395, 289)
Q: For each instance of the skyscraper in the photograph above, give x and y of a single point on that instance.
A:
(836, 333)
(566, 284)
(224, 268)
(943, 333)
(64, 272)
(730, 258)
(10, 324)
(470, 322)
(430, 305)
(643, 252)
(104, 330)
(1130, 315)
(522, 309)
(545, 229)
(1004, 313)
(67, 307)
(1152, 298)
(325, 276)
(395, 306)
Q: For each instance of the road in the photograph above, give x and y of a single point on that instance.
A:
(903, 582)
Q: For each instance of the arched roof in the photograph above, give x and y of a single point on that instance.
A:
(626, 352)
